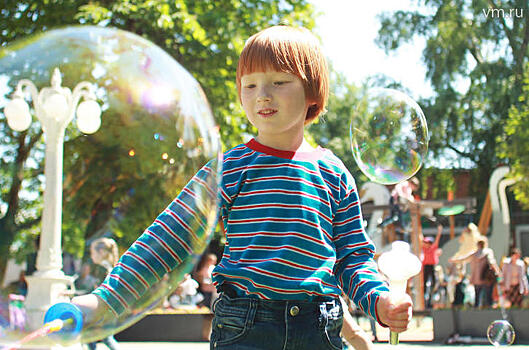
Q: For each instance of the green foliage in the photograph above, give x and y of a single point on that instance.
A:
(440, 182)
(475, 62)
(514, 145)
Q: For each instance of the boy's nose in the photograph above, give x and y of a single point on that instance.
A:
(264, 95)
(263, 98)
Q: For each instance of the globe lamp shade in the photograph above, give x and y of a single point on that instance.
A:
(88, 116)
(17, 114)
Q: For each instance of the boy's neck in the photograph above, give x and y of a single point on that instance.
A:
(292, 144)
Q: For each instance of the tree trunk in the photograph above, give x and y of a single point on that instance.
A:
(8, 230)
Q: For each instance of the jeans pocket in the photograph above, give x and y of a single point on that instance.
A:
(228, 329)
(331, 333)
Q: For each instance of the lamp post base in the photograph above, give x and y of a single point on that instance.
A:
(44, 291)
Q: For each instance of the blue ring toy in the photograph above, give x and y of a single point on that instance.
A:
(65, 311)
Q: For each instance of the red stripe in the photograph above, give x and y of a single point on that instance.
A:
(188, 209)
(140, 259)
(281, 261)
(291, 220)
(277, 234)
(166, 246)
(346, 221)
(275, 248)
(128, 286)
(355, 245)
(278, 205)
(158, 257)
(360, 284)
(279, 191)
(288, 178)
(205, 185)
(135, 273)
(352, 204)
(345, 234)
(251, 221)
(116, 295)
(279, 276)
(240, 286)
(174, 235)
(229, 159)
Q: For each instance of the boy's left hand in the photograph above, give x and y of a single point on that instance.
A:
(395, 313)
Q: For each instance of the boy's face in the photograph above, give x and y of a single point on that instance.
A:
(274, 102)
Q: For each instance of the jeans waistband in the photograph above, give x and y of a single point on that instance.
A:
(275, 310)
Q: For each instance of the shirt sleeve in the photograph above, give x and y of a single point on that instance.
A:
(356, 269)
(175, 235)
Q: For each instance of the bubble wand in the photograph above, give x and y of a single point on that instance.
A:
(65, 320)
(48, 328)
(399, 264)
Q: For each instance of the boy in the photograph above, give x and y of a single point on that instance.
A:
(290, 213)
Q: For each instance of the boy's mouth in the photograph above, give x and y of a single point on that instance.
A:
(268, 112)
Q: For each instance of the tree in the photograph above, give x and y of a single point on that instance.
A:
(204, 36)
(514, 144)
(476, 53)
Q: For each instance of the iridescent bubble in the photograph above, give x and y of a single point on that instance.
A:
(501, 332)
(156, 133)
(389, 136)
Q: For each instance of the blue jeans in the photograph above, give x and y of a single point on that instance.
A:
(255, 324)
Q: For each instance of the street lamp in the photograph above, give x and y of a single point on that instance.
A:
(55, 107)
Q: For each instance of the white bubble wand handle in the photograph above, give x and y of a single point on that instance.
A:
(399, 264)
(398, 293)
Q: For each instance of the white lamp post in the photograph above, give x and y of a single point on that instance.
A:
(55, 108)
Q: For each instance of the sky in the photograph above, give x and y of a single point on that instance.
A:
(348, 29)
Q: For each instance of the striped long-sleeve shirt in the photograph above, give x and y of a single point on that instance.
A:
(293, 226)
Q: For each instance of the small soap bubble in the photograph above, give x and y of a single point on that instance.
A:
(155, 123)
(501, 333)
(389, 136)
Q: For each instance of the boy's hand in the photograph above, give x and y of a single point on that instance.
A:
(394, 312)
(94, 309)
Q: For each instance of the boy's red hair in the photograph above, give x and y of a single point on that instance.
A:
(292, 50)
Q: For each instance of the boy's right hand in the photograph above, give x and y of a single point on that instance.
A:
(93, 308)
(395, 313)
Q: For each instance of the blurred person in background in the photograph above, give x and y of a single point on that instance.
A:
(514, 282)
(104, 255)
(479, 259)
(205, 281)
(430, 253)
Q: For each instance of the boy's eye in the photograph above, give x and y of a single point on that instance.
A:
(277, 83)
(249, 86)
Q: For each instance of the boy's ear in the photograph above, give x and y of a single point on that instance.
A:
(311, 113)
(312, 105)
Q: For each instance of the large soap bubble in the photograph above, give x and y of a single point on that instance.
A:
(157, 132)
(501, 333)
(389, 136)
